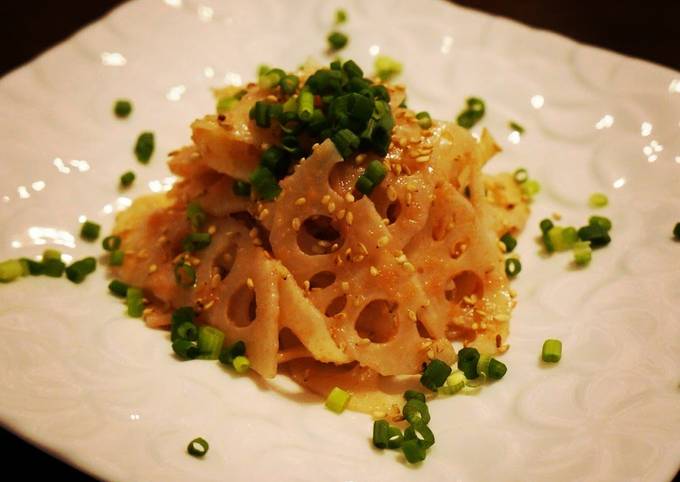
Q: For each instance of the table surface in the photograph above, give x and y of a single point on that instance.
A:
(648, 30)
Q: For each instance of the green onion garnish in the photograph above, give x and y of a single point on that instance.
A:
(271, 78)
(210, 342)
(424, 120)
(127, 179)
(414, 395)
(196, 241)
(337, 400)
(421, 432)
(228, 354)
(185, 274)
(512, 267)
(583, 253)
(676, 231)
(346, 142)
(51, 254)
(413, 451)
(552, 351)
(562, 239)
(134, 299)
(195, 215)
(353, 71)
(35, 268)
(53, 267)
(530, 188)
(144, 147)
(496, 369)
(597, 200)
(241, 188)
(416, 411)
(596, 234)
(381, 431)
(473, 112)
(185, 349)
(386, 67)
(116, 258)
(264, 183)
(198, 447)
(454, 384)
(110, 243)
(89, 231)
(78, 270)
(435, 374)
(375, 171)
(337, 40)
(10, 270)
(118, 288)
(509, 242)
(521, 175)
(305, 107)
(187, 331)
(516, 127)
(604, 223)
(364, 185)
(546, 225)
(122, 108)
(468, 358)
(225, 104)
(289, 84)
(241, 364)
(340, 16)
(182, 316)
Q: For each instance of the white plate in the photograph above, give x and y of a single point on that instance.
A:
(104, 393)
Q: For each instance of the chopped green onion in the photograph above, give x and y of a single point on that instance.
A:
(198, 447)
(597, 200)
(394, 437)
(604, 223)
(509, 242)
(78, 270)
(596, 234)
(127, 179)
(512, 267)
(241, 188)
(346, 142)
(416, 411)
(134, 299)
(185, 349)
(35, 268)
(467, 362)
(261, 113)
(483, 363)
(337, 40)
(210, 342)
(305, 107)
(546, 225)
(414, 395)
(552, 351)
(340, 16)
(413, 451)
(424, 120)
(421, 432)
(364, 185)
(435, 374)
(225, 104)
(10, 270)
(289, 84)
(337, 400)
(676, 231)
(381, 433)
(454, 383)
(241, 364)
(375, 171)
(228, 354)
(583, 253)
(110, 243)
(122, 108)
(271, 78)
(196, 241)
(195, 215)
(189, 331)
(562, 239)
(116, 258)
(183, 316)
(496, 369)
(516, 127)
(185, 275)
(89, 231)
(386, 67)
(530, 188)
(521, 175)
(264, 183)
(118, 288)
(144, 147)
(473, 112)
(262, 69)
(51, 254)
(352, 69)
(53, 267)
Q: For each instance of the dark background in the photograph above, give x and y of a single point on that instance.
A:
(649, 30)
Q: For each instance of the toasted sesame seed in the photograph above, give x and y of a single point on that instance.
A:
(349, 218)
(412, 315)
(361, 158)
(334, 247)
(253, 233)
(296, 224)
(382, 242)
(250, 283)
(349, 197)
(341, 214)
(331, 207)
(411, 187)
(374, 271)
(556, 216)
(300, 201)
(362, 248)
(501, 317)
(475, 326)
(264, 214)
(326, 199)
(424, 158)
(323, 243)
(502, 247)
(377, 415)
(409, 266)
(306, 285)
(391, 193)
(257, 241)
(345, 286)
(409, 198)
